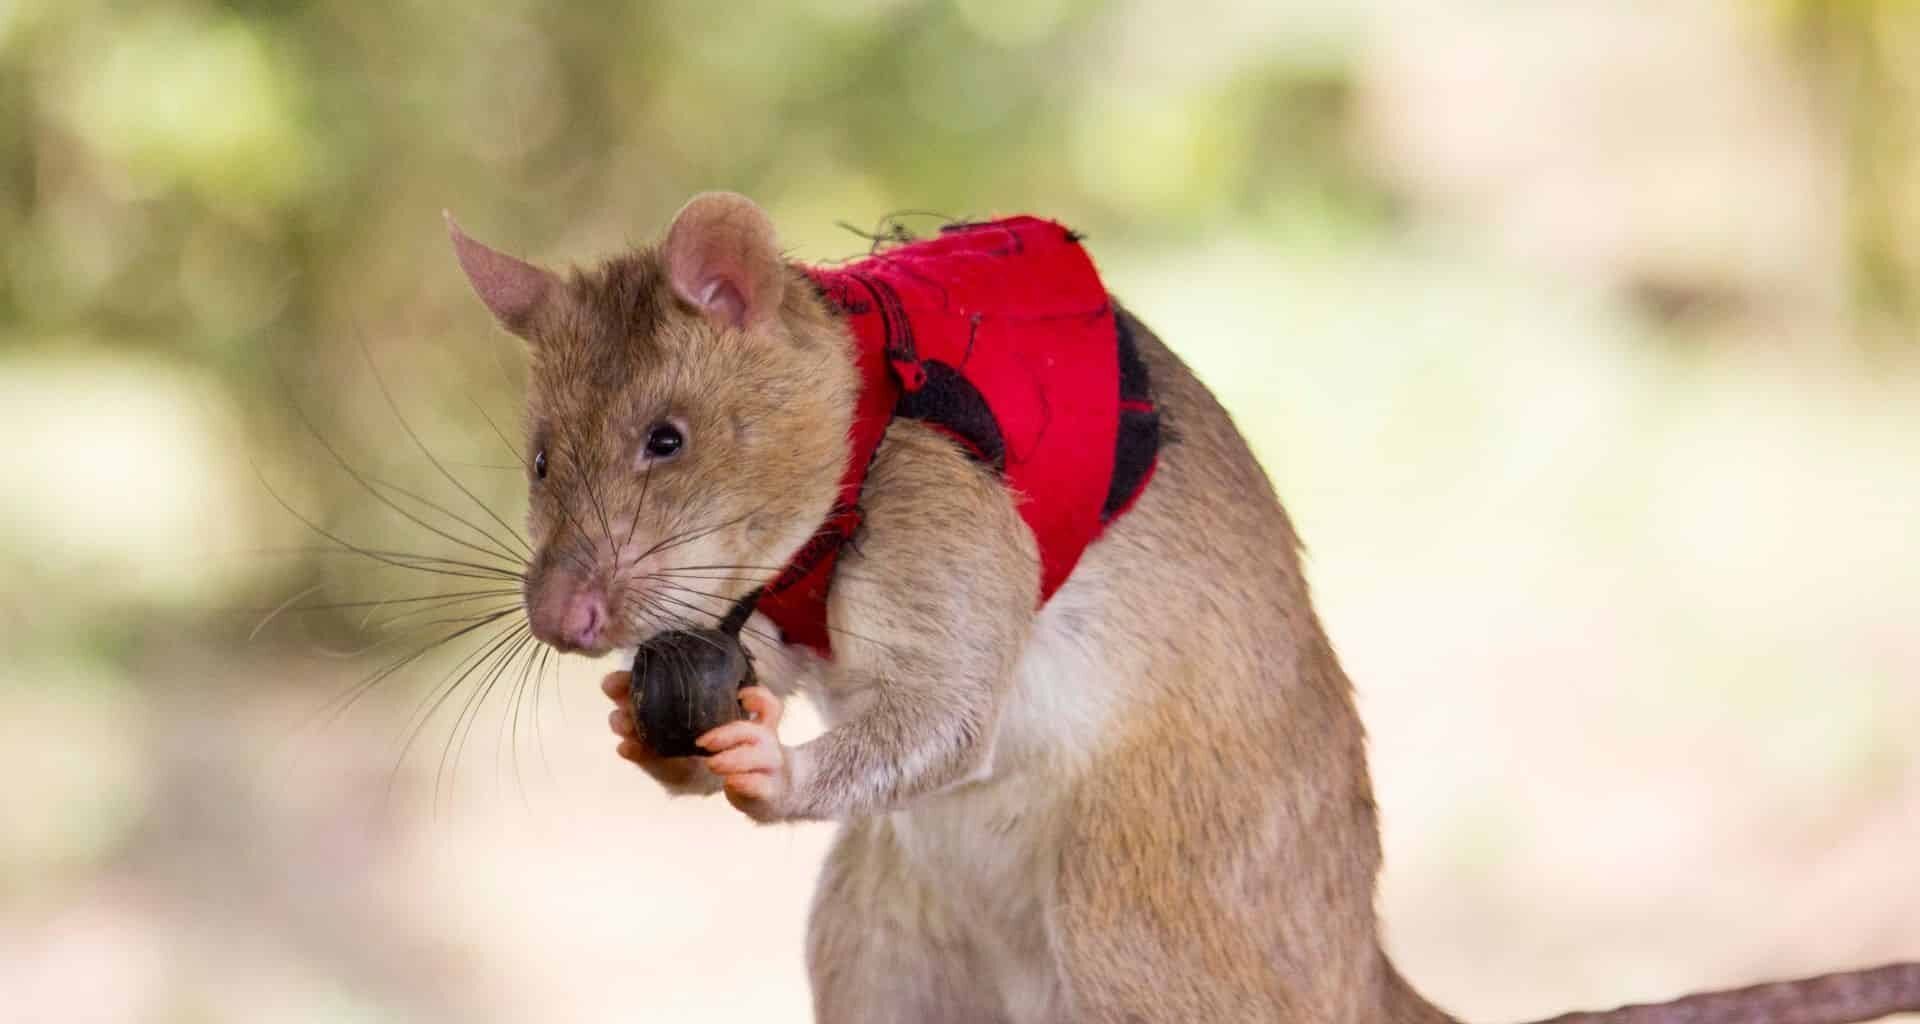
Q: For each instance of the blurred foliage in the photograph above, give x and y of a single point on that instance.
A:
(235, 205)
(200, 177)
(249, 192)
(1866, 56)
(1546, 319)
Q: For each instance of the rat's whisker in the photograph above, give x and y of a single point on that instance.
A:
(509, 556)
(566, 511)
(717, 616)
(516, 694)
(840, 572)
(482, 572)
(633, 521)
(666, 617)
(398, 636)
(339, 704)
(458, 735)
(430, 602)
(539, 737)
(281, 607)
(584, 472)
(667, 585)
(381, 383)
(692, 534)
(501, 434)
(697, 633)
(399, 559)
(329, 606)
(606, 526)
(518, 640)
(438, 694)
(389, 623)
(372, 487)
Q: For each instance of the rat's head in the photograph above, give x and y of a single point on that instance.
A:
(687, 414)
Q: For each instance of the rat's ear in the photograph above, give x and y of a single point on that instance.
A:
(512, 289)
(721, 258)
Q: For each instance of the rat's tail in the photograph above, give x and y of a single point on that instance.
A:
(1827, 999)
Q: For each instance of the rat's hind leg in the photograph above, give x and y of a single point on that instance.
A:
(1247, 904)
(880, 948)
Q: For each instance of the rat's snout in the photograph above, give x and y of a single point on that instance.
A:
(569, 614)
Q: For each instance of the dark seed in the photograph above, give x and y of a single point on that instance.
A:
(685, 683)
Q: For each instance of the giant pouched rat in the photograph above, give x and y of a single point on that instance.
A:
(1144, 798)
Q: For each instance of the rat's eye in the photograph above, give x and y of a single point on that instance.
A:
(664, 441)
(540, 463)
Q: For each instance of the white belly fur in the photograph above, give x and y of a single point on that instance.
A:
(990, 845)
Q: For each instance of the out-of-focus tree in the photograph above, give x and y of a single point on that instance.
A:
(250, 192)
(1865, 58)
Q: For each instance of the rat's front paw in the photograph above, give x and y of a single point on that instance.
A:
(749, 759)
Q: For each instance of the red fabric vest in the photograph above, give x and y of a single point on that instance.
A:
(1002, 335)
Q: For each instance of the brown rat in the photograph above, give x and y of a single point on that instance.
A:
(1146, 801)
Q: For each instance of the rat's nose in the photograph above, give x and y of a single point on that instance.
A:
(586, 613)
(569, 617)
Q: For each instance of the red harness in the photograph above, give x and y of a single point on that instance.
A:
(1001, 335)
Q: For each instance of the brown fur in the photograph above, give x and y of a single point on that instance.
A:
(616, 352)
(1149, 802)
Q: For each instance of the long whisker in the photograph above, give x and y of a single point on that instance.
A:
(400, 560)
(396, 636)
(511, 557)
(381, 383)
(674, 540)
(379, 602)
(494, 656)
(646, 481)
(438, 694)
(415, 560)
(665, 616)
(717, 616)
(479, 572)
(565, 509)
(839, 631)
(437, 563)
(497, 432)
(330, 711)
(586, 476)
(539, 739)
(585, 568)
(394, 620)
(753, 573)
(606, 527)
(454, 620)
(514, 702)
(710, 642)
(370, 487)
(281, 607)
(519, 639)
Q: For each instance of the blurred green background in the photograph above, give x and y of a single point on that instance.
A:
(1580, 338)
